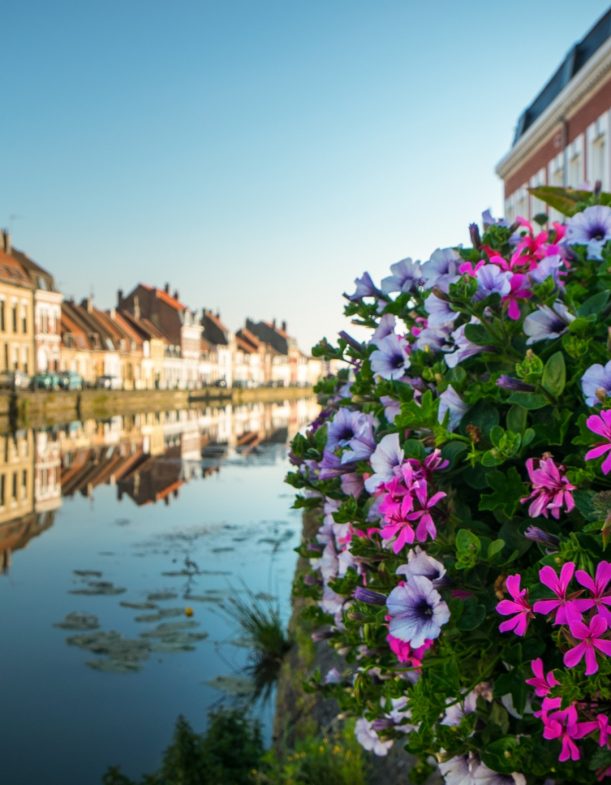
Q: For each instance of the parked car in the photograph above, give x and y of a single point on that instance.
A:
(14, 380)
(108, 382)
(45, 381)
(70, 380)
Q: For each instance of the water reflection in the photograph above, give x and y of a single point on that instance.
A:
(148, 457)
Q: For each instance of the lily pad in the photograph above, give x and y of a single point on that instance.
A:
(78, 621)
(88, 573)
(113, 645)
(160, 596)
(108, 665)
(138, 606)
(99, 588)
(169, 628)
(162, 613)
(222, 549)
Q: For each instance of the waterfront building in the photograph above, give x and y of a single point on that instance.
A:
(250, 360)
(177, 324)
(47, 313)
(153, 349)
(563, 136)
(16, 312)
(221, 347)
(283, 352)
(88, 346)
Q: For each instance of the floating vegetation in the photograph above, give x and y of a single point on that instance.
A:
(138, 606)
(162, 613)
(88, 573)
(263, 595)
(222, 549)
(113, 666)
(99, 588)
(238, 686)
(174, 637)
(214, 598)
(78, 621)
(161, 596)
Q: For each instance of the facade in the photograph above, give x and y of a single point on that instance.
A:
(16, 313)
(47, 313)
(284, 354)
(250, 360)
(563, 136)
(221, 346)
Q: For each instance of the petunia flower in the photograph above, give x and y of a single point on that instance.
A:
(601, 424)
(406, 276)
(365, 287)
(517, 607)
(441, 270)
(417, 612)
(596, 383)
(391, 359)
(451, 402)
(591, 639)
(385, 459)
(591, 228)
(559, 585)
(541, 683)
(492, 280)
(369, 739)
(439, 312)
(546, 323)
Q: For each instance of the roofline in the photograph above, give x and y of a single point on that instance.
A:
(588, 78)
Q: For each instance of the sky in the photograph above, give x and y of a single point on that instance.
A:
(260, 154)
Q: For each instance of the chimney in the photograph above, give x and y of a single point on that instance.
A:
(166, 288)
(274, 323)
(283, 327)
(6, 241)
(175, 295)
(87, 304)
(119, 298)
(137, 307)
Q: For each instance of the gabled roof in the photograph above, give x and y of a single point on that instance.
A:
(247, 341)
(144, 327)
(214, 330)
(165, 297)
(12, 272)
(577, 57)
(41, 278)
(271, 334)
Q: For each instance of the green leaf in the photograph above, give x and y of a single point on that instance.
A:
(473, 615)
(517, 417)
(492, 458)
(477, 333)
(496, 434)
(452, 452)
(496, 546)
(508, 490)
(554, 375)
(468, 547)
(594, 305)
(565, 200)
(501, 755)
(530, 401)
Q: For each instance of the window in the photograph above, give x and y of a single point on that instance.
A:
(575, 178)
(2, 316)
(2, 487)
(14, 486)
(598, 160)
(14, 309)
(24, 318)
(24, 482)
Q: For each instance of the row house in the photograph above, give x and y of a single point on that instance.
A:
(16, 313)
(179, 327)
(563, 137)
(220, 346)
(283, 352)
(251, 360)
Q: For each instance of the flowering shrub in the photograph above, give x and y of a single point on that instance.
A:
(460, 465)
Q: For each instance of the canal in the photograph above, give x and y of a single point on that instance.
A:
(120, 544)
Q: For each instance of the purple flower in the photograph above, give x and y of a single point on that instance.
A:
(406, 276)
(546, 323)
(441, 269)
(536, 534)
(463, 347)
(439, 312)
(362, 443)
(331, 466)
(391, 359)
(489, 220)
(387, 456)
(352, 484)
(511, 383)
(420, 563)
(548, 267)
(417, 611)
(596, 383)
(368, 596)
(369, 739)
(592, 228)
(392, 407)
(344, 427)
(365, 287)
(333, 676)
(385, 327)
(492, 280)
(433, 339)
(451, 402)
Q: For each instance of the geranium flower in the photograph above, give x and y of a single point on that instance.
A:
(596, 383)
(451, 402)
(426, 525)
(406, 276)
(600, 725)
(541, 683)
(559, 585)
(551, 488)
(517, 607)
(563, 725)
(519, 290)
(601, 424)
(546, 323)
(592, 228)
(391, 358)
(591, 642)
(417, 611)
(597, 587)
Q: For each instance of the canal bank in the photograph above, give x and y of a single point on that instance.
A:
(36, 408)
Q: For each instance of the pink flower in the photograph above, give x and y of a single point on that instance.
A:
(600, 724)
(597, 587)
(426, 525)
(559, 586)
(591, 641)
(519, 291)
(551, 488)
(542, 684)
(518, 606)
(601, 424)
(563, 725)
(401, 649)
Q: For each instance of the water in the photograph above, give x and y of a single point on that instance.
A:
(186, 505)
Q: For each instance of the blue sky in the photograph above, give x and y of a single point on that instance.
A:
(259, 154)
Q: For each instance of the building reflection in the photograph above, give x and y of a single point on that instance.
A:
(147, 457)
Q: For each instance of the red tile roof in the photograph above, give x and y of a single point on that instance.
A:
(166, 297)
